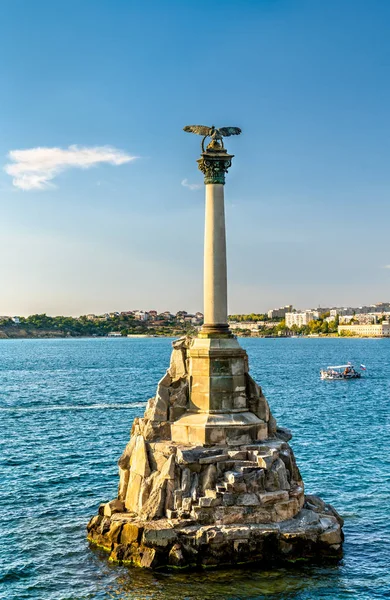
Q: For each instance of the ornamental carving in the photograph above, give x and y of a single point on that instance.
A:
(214, 169)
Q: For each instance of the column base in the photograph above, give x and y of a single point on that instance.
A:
(215, 330)
(232, 429)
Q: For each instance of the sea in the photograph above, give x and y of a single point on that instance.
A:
(66, 408)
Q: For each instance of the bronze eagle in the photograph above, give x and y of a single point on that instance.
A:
(215, 134)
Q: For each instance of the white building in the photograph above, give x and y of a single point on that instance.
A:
(242, 325)
(381, 330)
(279, 313)
(300, 318)
(141, 315)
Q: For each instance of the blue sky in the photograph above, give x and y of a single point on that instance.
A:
(307, 197)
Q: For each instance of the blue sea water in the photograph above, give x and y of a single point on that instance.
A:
(66, 407)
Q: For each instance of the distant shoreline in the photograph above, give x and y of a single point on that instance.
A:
(176, 335)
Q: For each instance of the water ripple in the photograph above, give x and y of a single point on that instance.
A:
(66, 410)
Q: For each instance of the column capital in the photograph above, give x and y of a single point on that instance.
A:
(214, 163)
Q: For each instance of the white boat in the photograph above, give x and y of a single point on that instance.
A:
(340, 372)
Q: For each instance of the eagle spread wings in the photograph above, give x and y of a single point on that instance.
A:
(205, 131)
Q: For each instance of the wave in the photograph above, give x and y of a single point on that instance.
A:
(68, 407)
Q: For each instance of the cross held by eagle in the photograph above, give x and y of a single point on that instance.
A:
(215, 134)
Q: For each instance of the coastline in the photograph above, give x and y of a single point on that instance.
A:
(50, 336)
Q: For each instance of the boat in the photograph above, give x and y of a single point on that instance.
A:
(340, 372)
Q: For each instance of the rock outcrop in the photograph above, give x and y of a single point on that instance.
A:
(195, 505)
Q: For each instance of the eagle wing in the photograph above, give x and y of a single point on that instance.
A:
(199, 129)
(226, 131)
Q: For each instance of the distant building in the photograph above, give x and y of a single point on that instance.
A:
(90, 317)
(141, 315)
(279, 313)
(321, 310)
(181, 313)
(16, 320)
(378, 330)
(242, 325)
(114, 334)
(300, 318)
(167, 315)
(346, 310)
(152, 314)
(345, 319)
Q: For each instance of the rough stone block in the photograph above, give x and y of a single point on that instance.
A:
(171, 514)
(254, 480)
(177, 499)
(284, 433)
(207, 501)
(157, 408)
(272, 497)
(176, 556)
(159, 535)
(124, 461)
(149, 559)
(177, 368)
(262, 431)
(186, 504)
(113, 534)
(154, 506)
(168, 469)
(207, 460)
(247, 500)
(238, 454)
(272, 425)
(133, 491)
(286, 510)
(139, 462)
(265, 461)
(156, 430)
(130, 533)
(203, 515)
(112, 507)
(124, 475)
(281, 472)
(331, 536)
(208, 478)
(228, 499)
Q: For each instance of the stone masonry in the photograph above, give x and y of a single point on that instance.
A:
(208, 478)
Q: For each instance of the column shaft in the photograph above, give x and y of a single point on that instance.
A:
(215, 275)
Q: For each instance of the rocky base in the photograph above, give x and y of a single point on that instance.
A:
(313, 534)
(208, 478)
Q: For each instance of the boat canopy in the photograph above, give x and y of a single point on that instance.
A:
(341, 366)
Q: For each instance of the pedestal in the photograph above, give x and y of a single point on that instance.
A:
(218, 411)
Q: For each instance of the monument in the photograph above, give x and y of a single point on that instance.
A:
(208, 478)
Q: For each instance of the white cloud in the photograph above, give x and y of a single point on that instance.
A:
(35, 168)
(191, 186)
(386, 267)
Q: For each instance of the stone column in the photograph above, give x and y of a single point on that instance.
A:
(215, 276)
(218, 411)
(214, 164)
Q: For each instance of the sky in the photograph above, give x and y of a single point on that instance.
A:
(101, 202)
